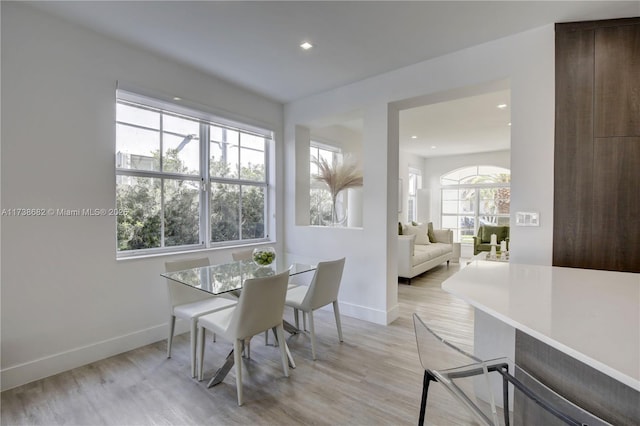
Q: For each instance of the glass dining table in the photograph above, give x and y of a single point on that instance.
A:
(229, 277)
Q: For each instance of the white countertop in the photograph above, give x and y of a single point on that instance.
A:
(591, 315)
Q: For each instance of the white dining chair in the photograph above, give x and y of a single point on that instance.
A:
(190, 303)
(260, 308)
(246, 254)
(323, 290)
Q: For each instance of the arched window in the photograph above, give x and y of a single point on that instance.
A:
(474, 196)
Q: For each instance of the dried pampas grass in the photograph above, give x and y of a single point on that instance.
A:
(338, 175)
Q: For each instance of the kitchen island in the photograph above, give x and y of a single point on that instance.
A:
(577, 330)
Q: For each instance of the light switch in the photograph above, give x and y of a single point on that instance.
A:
(527, 219)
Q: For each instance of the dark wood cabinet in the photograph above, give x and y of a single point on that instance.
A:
(597, 145)
(617, 81)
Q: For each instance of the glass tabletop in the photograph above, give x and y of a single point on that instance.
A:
(222, 278)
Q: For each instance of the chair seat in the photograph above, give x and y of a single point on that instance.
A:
(295, 296)
(202, 307)
(217, 321)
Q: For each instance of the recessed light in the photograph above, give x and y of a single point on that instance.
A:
(414, 137)
(306, 45)
(433, 147)
(509, 124)
(502, 106)
(177, 98)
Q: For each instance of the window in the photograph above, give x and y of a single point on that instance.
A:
(415, 183)
(474, 196)
(320, 196)
(185, 180)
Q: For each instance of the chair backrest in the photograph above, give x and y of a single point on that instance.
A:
(435, 352)
(441, 359)
(485, 231)
(242, 254)
(325, 284)
(179, 294)
(260, 307)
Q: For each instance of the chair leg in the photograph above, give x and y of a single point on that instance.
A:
(304, 320)
(237, 354)
(283, 350)
(336, 312)
(193, 337)
(505, 399)
(266, 337)
(296, 318)
(313, 335)
(201, 337)
(172, 326)
(425, 390)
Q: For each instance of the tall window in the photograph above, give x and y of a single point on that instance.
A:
(415, 183)
(185, 180)
(319, 194)
(474, 196)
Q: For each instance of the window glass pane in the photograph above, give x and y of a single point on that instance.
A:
(252, 157)
(180, 125)
(467, 200)
(503, 221)
(494, 174)
(320, 206)
(411, 209)
(181, 154)
(225, 210)
(181, 145)
(449, 222)
(449, 207)
(466, 225)
(139, 198)
(138, 116)
(181, 212)
(137, 148)
(224, 152)
(449, 194)
(502, 200)
(253, 212)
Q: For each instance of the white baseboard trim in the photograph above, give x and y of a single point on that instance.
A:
(368, 314)
(37, 369)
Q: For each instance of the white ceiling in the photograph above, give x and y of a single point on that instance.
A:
(460, 126)
(256, 44)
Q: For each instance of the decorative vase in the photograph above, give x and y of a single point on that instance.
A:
(338, 214)
(264, 256)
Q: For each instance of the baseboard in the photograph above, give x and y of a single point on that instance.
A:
(30, 371)
(367, 314)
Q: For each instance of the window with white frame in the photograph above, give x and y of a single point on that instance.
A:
(415, 183)
(320, 197)
(186, 179)
(474, 196)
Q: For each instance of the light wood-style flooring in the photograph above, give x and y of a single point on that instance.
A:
(373, 378)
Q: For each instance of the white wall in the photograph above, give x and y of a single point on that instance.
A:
(66, 301)
(435, 167)
(526, 61)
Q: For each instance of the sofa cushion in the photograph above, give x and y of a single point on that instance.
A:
(430, 234)
(426, 252)
(420, 231)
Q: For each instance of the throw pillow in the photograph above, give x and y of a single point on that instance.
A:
(420, 232)
(430, 234)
